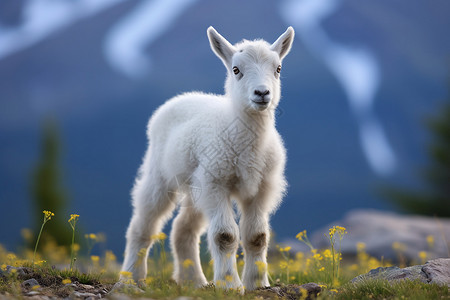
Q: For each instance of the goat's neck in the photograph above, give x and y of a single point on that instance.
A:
(258, 122)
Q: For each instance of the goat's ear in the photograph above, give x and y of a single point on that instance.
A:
(221, 47)
(283, 44)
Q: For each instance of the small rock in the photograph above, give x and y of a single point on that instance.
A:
(294, 291)
(125, 287)
(20, 271)
(76, 295)
(30, 283)
(86, 286)
(438, 271)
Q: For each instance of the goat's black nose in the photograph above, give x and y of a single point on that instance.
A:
(262, 93)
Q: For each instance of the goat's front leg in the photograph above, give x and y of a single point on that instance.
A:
(255, 238)
(223, 239)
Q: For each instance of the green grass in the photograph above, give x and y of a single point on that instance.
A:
(404, 289)
(286, 269)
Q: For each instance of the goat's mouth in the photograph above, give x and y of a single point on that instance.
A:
(261, 104)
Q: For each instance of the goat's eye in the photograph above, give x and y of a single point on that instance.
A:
(236, 70)
(279, 69)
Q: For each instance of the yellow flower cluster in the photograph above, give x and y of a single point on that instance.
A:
(73, 218)
(160, 236)
(423, 256)
(126, 274)
(327, 253)
(430, 241)
(301, 235)
(48, 215)
(285, 249)
(91, 236)
(337, 229)
(397, 246)
(187, 263)
(262, 266)
(283, 264)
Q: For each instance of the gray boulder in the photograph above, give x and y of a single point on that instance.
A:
(434, 271)
(380, 229)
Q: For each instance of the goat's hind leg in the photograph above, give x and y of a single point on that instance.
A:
(187, 228)
(152, 207)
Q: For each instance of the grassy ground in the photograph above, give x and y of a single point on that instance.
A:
(97, 274)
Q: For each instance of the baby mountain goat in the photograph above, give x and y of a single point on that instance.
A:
(207, 152)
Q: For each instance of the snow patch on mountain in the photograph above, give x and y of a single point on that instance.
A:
(356, 69)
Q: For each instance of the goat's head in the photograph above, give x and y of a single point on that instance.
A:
(253, 68)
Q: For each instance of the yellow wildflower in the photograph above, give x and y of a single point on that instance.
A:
(261, 265)
(11, 256)
(283, 264)
(109, 256)
(160, 236)
(360, 246)
(286, 249)
(430, 241)
(317, 256)
(95, 258)
(339, 229)
(126, 274)
(373, 263)
(322, 269)
(228, 278)
(47, 215)
(301, 235)
(187, 263)
(3, 267)
(76, 247)
(423, 255)
(73, 220)
(220, 283)
(398, 246)
(40, 263)
(66, 281)
(303, 294)
(332, 231)
(327, 253)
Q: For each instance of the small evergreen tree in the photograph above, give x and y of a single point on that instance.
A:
(47, 190)
(435, 199)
